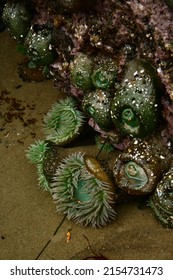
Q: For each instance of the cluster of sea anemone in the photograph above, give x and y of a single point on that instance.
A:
(113, 60)
(87, 189)
(77, 182)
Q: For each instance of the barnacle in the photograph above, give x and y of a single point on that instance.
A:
(83, 191)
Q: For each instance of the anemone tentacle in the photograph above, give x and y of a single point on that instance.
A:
(63, 122)
(80, 194)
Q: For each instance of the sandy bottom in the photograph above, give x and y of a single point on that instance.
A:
(28, 218)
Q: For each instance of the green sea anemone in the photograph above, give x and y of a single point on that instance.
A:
(135, 109)
(63, 122)
(39, 47)
(36, 151)
(138, 169)
(161, 201)
(80, 70)
(104, 72)
(83, 191)
(36, 154)
(17, 17)
(96, 104)
(135, 174)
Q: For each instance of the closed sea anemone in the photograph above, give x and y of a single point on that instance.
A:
(104, 72)
(83, 191)
(96, 104)
(63, 122)
(161, 202)
(17, 17)
(80, 71)
(38, 43)
(138, 169)
(135, 109)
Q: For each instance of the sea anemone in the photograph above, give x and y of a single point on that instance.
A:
(83, 191)
(161, 201)
(63, 122)
(39, 47)
(96, 104)
(80, 71)
(17, 17)
(138, 169)
(135, 109)
(36, 154)
(104, 72)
